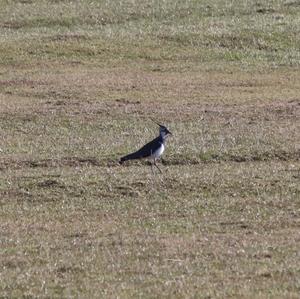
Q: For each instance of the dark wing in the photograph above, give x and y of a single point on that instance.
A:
(143, 152)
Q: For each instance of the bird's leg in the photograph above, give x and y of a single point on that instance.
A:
(152, 167)
(157, 166)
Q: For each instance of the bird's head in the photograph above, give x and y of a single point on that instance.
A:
(163, 131)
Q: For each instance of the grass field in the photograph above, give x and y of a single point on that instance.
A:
(79, 84)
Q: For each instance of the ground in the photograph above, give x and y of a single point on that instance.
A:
(81, 82)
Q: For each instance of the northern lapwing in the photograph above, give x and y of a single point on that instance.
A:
(152, 150)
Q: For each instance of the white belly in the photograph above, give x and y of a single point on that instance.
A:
(158, 152)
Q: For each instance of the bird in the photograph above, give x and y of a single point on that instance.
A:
(152, 150)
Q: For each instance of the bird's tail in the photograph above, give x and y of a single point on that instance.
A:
(132, 156)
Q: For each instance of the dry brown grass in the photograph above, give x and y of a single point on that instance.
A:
(222, 221)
